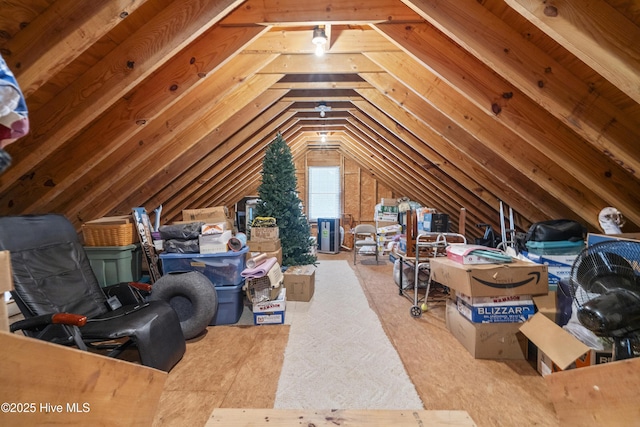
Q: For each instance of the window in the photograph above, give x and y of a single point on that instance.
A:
(324, 192)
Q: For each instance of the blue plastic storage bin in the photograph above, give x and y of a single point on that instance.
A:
(223, 269)
(562, 247)
(230, 305)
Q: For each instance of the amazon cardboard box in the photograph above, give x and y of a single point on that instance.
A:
(486, 340)
(488, 280)
(300, 282)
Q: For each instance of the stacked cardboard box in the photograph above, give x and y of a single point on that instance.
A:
(216, 231)
(265, 240)
(491, 301)
(271, 312)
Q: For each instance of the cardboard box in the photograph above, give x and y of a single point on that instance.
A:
(300, 282)
(505, 312)
(548, 305)
(434, 222)
(264, 233)
(385, 201)
(264, 245)
(214, 243)
(558, 266)
(557, 349)
(486, 340)
(274, 318)
(214, 228)
(593, 238)
(276, 305)
(514, 278)
(212, 214)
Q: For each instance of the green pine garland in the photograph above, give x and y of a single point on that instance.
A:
(279, 199)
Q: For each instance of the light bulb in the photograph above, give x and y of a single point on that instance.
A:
(323, 138)
(319, 49)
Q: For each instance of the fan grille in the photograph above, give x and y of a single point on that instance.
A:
(605, 266)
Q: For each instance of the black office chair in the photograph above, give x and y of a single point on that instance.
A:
(62, 302)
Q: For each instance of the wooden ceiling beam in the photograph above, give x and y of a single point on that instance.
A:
(174, 183)
(112, 78)
(58, 36)
(572, 101)
(454, 191)
(461, 149)
(538, 157)
(511, 108)
(395, 164)
(208, 173)
(295, 12)
(166, 140)
(432, 161)
(338, 63)
(343, 39)
(129, 117)
(593, 31)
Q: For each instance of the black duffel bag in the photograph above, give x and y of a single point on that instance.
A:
(555, 230)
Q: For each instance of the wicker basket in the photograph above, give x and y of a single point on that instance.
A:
(100, 234)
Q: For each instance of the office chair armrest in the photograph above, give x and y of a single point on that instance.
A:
(146, 287)
(49, 319)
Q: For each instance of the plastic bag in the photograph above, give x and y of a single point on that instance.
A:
(186, 231)
(182, 246)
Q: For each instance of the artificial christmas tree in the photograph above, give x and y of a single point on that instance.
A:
(279, 199)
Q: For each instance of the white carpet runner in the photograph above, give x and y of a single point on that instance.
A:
(338, 356)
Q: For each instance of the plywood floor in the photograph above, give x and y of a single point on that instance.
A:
(239, 366)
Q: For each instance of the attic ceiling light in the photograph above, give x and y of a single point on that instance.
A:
(323, 108)
(319, 40)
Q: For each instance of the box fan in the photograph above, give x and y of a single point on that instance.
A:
(605, 284)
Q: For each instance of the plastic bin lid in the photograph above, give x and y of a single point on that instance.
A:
(227, 254)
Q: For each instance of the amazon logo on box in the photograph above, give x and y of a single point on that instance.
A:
(490, 280)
